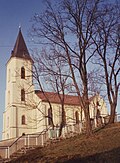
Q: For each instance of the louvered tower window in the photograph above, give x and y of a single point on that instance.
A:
(22, 73)
(22, 95)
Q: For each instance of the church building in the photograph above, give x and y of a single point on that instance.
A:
(26, 109)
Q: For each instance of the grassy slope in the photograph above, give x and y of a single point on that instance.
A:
(103, 146)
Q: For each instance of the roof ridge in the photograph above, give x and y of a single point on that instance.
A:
(38, 91)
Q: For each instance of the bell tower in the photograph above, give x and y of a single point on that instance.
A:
(19, 92)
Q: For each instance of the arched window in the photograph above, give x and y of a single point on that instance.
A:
(77, 117)
(22, 95)
(23, 134)
(98, 103)
(9, 75)
(22, 73)
(23, 120)
(8, 97)
(7, 121)
(50, 116)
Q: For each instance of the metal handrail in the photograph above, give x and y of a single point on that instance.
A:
(29, 139)
(7, 148)
(23, 136)
(15, 141)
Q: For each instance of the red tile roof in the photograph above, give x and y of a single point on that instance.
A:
(54, 98)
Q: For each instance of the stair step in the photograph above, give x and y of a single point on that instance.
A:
(4, 160)
(20, 152)
(16, 154)
(13, 157)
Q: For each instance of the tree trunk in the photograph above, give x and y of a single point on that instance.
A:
(86, 103)
(60, 131)
(88, 122)
(63, 122)
(112, 114)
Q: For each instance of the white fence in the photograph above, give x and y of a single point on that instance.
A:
(29, 140)
(38, 139)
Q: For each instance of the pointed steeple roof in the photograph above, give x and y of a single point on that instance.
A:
(20, 49)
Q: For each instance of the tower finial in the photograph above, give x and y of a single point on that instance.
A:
(19, 27)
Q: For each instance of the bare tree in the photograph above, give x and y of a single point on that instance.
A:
(52, 68)
(37, 75)
(70, 26)
(107, 41)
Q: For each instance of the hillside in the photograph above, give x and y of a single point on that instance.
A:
(102, 147)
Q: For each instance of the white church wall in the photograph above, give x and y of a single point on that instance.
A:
(28, 114)
(15, 108)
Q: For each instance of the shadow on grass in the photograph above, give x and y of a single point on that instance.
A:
(112, 156)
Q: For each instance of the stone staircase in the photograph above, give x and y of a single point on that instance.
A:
(20, 152)
(16, 155)
(7, 142)
(15, 148)
(26, 149)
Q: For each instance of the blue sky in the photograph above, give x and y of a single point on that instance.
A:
(12, 14)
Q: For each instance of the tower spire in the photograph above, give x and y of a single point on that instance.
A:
(20, 49)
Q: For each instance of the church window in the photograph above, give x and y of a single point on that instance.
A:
(77, 117)
(23, 134)
(7, 121)
(8, 97)
(9, 75)
(23, 120)
(98, 103)
(50, 116)
(22, 95)
(22, 73)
